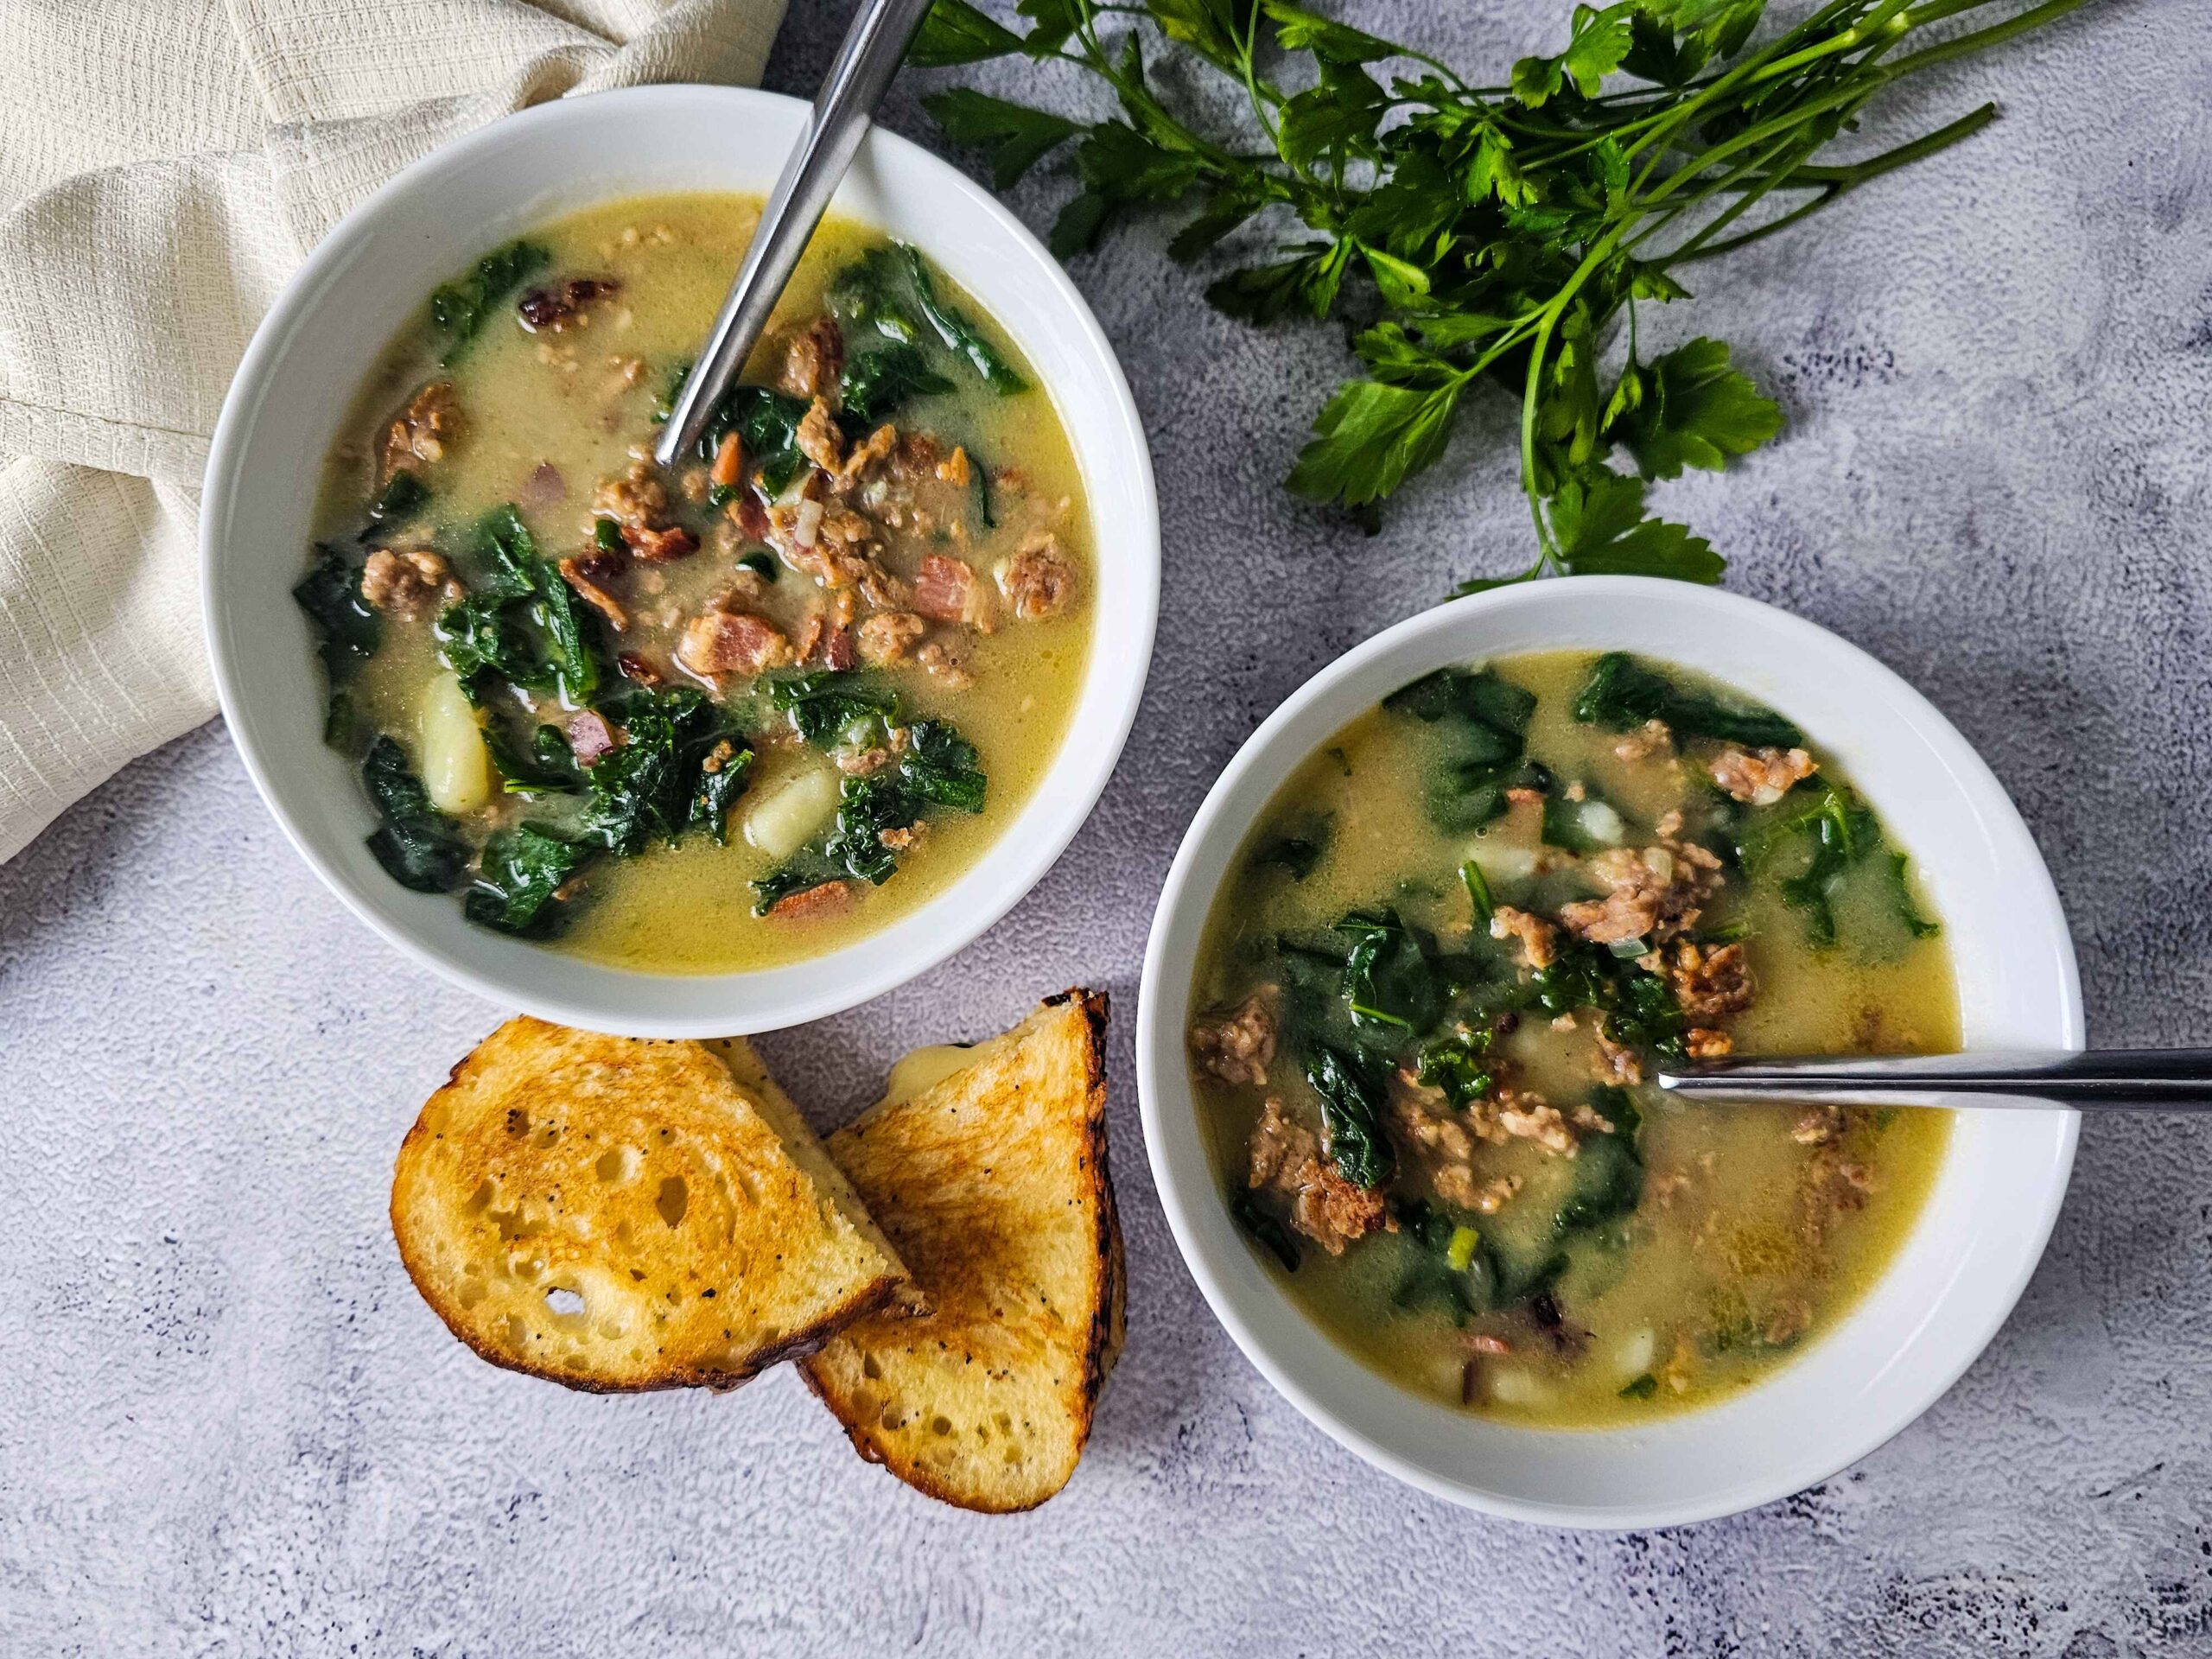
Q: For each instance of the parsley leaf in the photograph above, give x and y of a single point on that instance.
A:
(1693, 409)
(1017, 139)
(1599, 519)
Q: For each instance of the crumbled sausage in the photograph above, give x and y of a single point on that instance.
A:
(1704, 1043)
(407, 581)
(817, 437)
(1617, 1062)
(1239, 1046)
(841, 527)
(955, 470)
(888, 638)
(1653, 893)
(868, 453)
(724, 642)
(1710, 982)
(813, 359)
(840, 570)
(1817, 1126)
(1653, 737)
(1040, 581)
(559, 305)
(1529, 1117)
(638, 669)
(1324, 1206)
(1537, 939)
(421, 433)
(636, 497)
(1760, 776)
(1444, 1144)
(943, 665)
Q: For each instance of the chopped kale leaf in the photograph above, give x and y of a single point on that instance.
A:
(518, 887)
(1622, 694)
(419, 846)
(459, 308)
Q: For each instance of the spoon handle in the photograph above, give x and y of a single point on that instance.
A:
(870, 56)
(2144, 1079)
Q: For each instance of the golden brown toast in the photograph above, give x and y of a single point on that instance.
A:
(992, 1184)
(615, 1214)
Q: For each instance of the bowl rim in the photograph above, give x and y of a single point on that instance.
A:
(1161, 1061)
(1115, 671)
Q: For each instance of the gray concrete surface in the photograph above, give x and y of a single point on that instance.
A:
(228, 1426)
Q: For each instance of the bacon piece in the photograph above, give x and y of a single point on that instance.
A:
(660, 546)
(750, 514)
(724, 642)
(945, 590)
(559, 304)
(586, 576)
(828, 899)
(589, 736)
(887, 638)
(816, 356)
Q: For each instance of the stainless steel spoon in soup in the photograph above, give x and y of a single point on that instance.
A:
(866, 62)
(2147, 1080)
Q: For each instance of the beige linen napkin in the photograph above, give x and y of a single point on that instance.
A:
(164, 165)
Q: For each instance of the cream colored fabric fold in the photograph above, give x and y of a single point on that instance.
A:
(164, 166)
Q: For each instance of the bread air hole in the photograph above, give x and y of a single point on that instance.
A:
(672, 1200)
(616, 1165)
(565, 1303)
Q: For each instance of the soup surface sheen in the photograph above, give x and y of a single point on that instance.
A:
(873, 631)
(1453, 948)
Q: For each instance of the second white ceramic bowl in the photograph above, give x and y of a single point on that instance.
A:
(308, 361)
(1967, 1258)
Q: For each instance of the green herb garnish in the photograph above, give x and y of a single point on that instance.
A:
(1473, 233)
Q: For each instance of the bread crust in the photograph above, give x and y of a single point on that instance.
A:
(1105, 1326)
(416, 1230)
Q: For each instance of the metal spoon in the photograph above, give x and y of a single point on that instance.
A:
(870, 56)
(2144, 1079)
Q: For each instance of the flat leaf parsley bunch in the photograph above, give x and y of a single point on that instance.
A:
(1469, 234)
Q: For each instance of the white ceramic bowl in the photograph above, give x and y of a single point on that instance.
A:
(1985, 1224)
(309, 357)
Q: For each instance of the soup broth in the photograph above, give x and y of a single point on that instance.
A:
(736, 713)
(1433, 992)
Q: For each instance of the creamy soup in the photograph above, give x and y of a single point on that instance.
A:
(728, 714)
(1433, 994)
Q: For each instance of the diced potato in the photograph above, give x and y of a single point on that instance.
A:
(1602, 824)
(781, 819)
(1632, 1356)
(1515, 1385)
(1501, 863)
(456, 767)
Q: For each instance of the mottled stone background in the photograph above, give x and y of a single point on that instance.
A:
(228, 1424)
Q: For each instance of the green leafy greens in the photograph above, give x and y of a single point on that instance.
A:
(1466, 233)
(459, 309)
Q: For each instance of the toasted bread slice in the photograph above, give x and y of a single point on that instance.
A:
(620, 1215)
(992, 1183)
